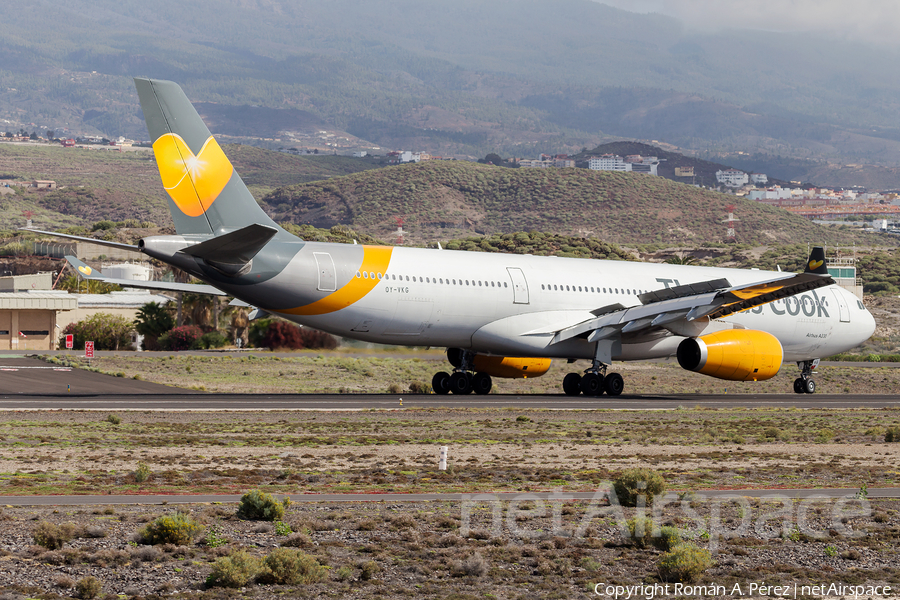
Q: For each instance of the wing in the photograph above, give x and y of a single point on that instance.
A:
(195, 288)
(662, 310)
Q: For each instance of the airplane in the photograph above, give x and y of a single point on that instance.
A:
(499, 315)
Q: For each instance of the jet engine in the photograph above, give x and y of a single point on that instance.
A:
(508, 367)
(734, 354)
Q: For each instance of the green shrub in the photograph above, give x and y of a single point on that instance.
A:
(667, 538)
(88, 587)
(282, 528)
(114, 419)
(179, 529)
(638, 482)
(53, 537)
(683, 564)
(892, 434)
(640, 530)
(142, 473)
(212, 339)
(235, 570)
(290, 566)
(257, 505)
(369, 570)
(107, 331)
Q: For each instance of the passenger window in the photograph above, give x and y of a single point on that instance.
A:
(407, 277)
(379, 276)
(358, 274)
(479, 284)
(504, 284)
(371, 275)
(394, 277)
(365, 274)
(492, 285)
(467, 282)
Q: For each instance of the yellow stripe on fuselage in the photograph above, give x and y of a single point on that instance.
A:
(375, 261)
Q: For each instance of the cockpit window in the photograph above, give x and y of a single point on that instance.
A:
(860, 305)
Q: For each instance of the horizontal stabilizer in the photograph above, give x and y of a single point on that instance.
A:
(231, 253)
(163, 286)
(79, 238)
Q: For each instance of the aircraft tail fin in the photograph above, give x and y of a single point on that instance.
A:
(816, 262)
(206, 195)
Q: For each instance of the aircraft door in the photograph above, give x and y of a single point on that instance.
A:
(842, 305)
(520, 285)
(325, 266)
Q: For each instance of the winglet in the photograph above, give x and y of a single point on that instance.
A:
(816, 262)
(83, 269)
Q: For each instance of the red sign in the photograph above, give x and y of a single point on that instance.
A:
(70, 341)
(89, 349)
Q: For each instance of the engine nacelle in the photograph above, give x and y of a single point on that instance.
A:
(733, 354)
(511, 367)
(501, 366)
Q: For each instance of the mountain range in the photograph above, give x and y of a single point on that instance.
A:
(461, 78)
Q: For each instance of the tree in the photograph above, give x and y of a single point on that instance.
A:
(153, 320)
(107, 331)
(50, 134)
(493, 159)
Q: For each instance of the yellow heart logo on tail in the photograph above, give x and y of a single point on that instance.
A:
(85, 270)
(815, 264)
(193, 182)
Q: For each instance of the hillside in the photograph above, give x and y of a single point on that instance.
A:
(459, 78)
(102, 184)
(438, 200)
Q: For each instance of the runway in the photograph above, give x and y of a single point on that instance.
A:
(799, 493)
(31, 384)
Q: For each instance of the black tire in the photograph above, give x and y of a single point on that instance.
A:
(809, 386)
(460, 383)
(481, 383)
(591, 384)
(614, 384)
(440, 383)
(572, 384)
(799, 387)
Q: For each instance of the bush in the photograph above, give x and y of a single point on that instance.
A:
(668, 538)
(235, 570)
(290, 566)
(639, 531)
(114, 419)
(179, 529)
(88, 587)
(142, 473)
(634, 483)
(53, 537)
(257, 505)
(108, 332)
(180, 338)
(213, 339)
(892, 434)
(474, 566)
(272, 333)
(683, 564)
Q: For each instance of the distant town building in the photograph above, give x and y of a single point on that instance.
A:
(684, 171)
(360, 154)
(732, 177)
(529, 163)
(758, 178)
(634, 163)
(563, 163)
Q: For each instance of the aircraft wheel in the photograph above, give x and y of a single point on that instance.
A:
(591, 384)
(799, 387)
(572, 384)
(614, 384)
(460, 383)
(481, 383)
(440, 383)
(809, 386)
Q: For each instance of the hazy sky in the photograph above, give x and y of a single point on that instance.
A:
(872, 21)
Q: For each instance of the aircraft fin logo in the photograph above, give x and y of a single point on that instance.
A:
(85, 270)
(192, 181)
(815, 264)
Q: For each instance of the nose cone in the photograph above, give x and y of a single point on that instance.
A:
(866, 325)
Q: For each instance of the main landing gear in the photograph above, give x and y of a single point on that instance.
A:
(594, 382)
(805, 384)
(463, 380)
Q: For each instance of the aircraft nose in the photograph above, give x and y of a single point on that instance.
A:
(867, 326)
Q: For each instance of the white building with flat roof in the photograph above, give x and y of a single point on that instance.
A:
(732, 177)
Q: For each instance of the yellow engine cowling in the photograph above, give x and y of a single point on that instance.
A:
(734, 354)
(511, 367)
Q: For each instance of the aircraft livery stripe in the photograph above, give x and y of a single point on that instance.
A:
(375, 261)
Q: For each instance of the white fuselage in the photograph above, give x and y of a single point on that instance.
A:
(511, 305)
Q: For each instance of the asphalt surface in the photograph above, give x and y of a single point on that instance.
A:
(31, 384)
(454, 497)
